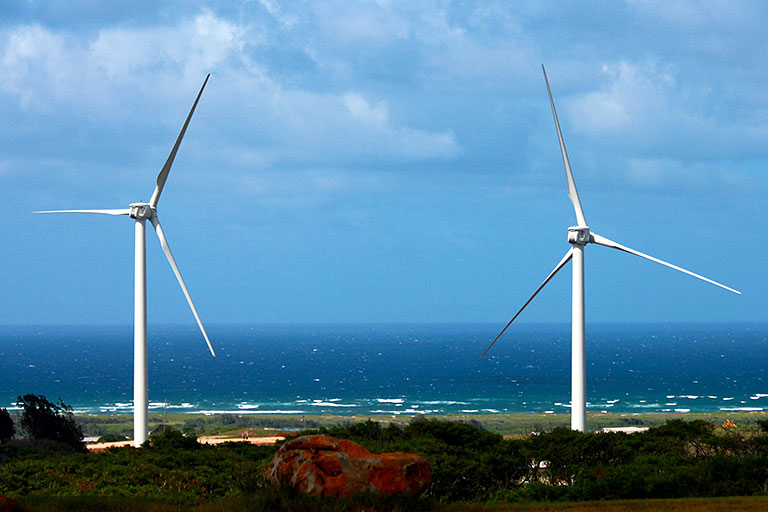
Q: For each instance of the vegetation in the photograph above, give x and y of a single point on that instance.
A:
(517, 425)
(470, 466)
(7, 428)
(42, 419)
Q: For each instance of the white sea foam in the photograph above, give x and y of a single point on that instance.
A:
(185, 405)
(758, 396)
(682, 410)
(247, 406)
(320, 403)
(275, 411)
(441, 402)
(390, 400)
(745, 409)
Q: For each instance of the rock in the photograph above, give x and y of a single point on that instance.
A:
(322, 465)
(8, 504)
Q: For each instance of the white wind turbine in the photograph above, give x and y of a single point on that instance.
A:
(142, 212)
(579, 236)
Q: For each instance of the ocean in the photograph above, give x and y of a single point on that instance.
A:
(391, 369)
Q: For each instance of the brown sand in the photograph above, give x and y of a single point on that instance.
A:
(262, 441)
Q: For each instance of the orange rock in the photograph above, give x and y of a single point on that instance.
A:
(8, 504)
(322, 465)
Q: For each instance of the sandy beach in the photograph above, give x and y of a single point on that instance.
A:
(252, 439)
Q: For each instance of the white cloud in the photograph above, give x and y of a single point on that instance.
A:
(635, 98)
(196, 46)
(33, 55)
(360, 109)
(124, 75)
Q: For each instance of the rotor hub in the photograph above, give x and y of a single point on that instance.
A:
(141, 211)
(579, 235)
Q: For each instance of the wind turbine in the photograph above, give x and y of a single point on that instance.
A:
(579, 236)
(141, 213)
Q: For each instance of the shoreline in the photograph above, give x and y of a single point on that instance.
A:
(505, 424)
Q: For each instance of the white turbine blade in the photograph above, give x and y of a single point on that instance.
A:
(163, 176)
(172, 261)
(610, 243)
(572, 192)
(105, 212)
(559, 266)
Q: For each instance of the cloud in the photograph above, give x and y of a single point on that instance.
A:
(117, 80)
(646, 109)
(635, 98)
(194, 47)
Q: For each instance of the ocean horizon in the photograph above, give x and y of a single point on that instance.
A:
(392, 369)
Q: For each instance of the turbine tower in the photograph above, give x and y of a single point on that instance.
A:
(579, 236)
(141, 213)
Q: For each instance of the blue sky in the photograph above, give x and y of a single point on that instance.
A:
(383, 161)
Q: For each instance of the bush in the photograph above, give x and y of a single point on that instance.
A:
(42, 419)
(7, 429)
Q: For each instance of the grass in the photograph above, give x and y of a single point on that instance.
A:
(732, 504)
(299, 504)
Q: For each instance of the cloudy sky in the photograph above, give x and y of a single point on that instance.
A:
(383, 161)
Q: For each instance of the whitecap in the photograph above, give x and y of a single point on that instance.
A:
(275, 411)
(320, 403)
(682, 410)
(390, 400)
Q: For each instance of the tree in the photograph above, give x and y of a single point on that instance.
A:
(42, 419)
(6, 426)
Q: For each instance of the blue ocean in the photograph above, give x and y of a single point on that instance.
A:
(391, 369)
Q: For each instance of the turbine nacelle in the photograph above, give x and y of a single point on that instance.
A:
(142, 211)
(579, 235)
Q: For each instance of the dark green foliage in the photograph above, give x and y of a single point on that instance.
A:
(7, 429)
(111, 438)
(679, 459)
(172, 440)
(42, 419)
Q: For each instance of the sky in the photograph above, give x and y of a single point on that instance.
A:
(383, 161)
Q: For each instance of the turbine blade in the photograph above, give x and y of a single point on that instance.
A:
(172, 261)
(572, 192)
(559, 266)
(613, 245)
(122, 211)
(163, 176)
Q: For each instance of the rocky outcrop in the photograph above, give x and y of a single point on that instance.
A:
(322, 465)
(8, 504)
